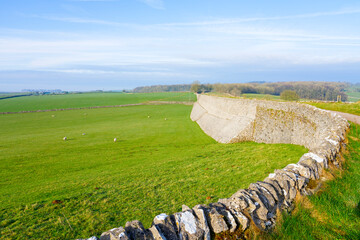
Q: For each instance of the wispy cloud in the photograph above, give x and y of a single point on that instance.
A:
(257, 19)
(157, 4)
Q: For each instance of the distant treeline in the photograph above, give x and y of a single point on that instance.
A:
(327, 91)
(163, 88)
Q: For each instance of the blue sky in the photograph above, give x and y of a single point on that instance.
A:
(121, 44)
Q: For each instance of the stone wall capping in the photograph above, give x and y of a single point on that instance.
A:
(231, 120)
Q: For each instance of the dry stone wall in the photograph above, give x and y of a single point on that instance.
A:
(232, 120)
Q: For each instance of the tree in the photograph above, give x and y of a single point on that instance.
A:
(195, 87)
(289, 95)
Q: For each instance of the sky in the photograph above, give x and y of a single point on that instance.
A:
(121, 44)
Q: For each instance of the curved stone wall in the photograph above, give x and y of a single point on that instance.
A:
(232, 120)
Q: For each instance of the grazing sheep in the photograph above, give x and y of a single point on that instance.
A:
(115, 139)
(84, 134)
(65, 138)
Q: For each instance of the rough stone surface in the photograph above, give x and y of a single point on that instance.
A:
(115, 234)
(216, 220)
(135, 230)
(166, 226)
(199, 211)
(188, 227)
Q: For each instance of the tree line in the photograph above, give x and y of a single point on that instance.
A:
(327, 91)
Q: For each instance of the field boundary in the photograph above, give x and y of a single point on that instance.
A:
(109, 106)
(255, 209)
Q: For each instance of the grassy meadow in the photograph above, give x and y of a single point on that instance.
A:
(51, 188)
(44, 102)
(353, 108)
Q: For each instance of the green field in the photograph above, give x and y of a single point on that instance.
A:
(155, 166)
(353, 108)
(261, 96)
(43, 102)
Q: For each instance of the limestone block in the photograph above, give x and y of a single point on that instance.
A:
(271, 202)
(229, 218)
(156, 233)
(166, 226)
(135, 230)
(199, 211)
(115, 234)
(245, 197)
(312, 164)
(188, 227)
(216, 220)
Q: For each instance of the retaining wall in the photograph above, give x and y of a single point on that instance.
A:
(232, 120)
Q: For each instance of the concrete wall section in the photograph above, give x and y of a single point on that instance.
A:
(233, 120)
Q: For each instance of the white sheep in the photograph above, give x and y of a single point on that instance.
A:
(65, 138)
(115, 139)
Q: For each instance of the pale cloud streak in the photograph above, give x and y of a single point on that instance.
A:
(157, 4)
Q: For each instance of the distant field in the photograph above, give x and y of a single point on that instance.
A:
(155, 166)
(261, 96)
(32, 103)
(353, 96)
(353, 108)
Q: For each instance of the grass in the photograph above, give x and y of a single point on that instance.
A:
(43, 102)
(333, 213)
(353, 94)
(155, 166)
(353, 108)
(261, 96)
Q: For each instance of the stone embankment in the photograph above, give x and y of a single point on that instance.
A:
(257, 207)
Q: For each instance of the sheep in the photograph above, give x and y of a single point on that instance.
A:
(65, 138)
(115, 139)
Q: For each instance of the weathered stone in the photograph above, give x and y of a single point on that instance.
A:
(156, 233)
(115, 234)
(271, 200)
(199, 211)
(135, 230)
(245, 196)
(284, 187)
(185, 208)
(90, 238)
(235, 206)
(262, 205)
(216, 220)
(166, 226)
(229, 218)
(312, 164)
(322, 161)
(188, 227)
(301, 170)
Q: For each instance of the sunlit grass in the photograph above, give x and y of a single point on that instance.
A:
(44, 102)
(155, 166)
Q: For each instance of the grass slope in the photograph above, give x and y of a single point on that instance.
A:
(353, 108)
(334, 213)
(155, 166)
(44, 102)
